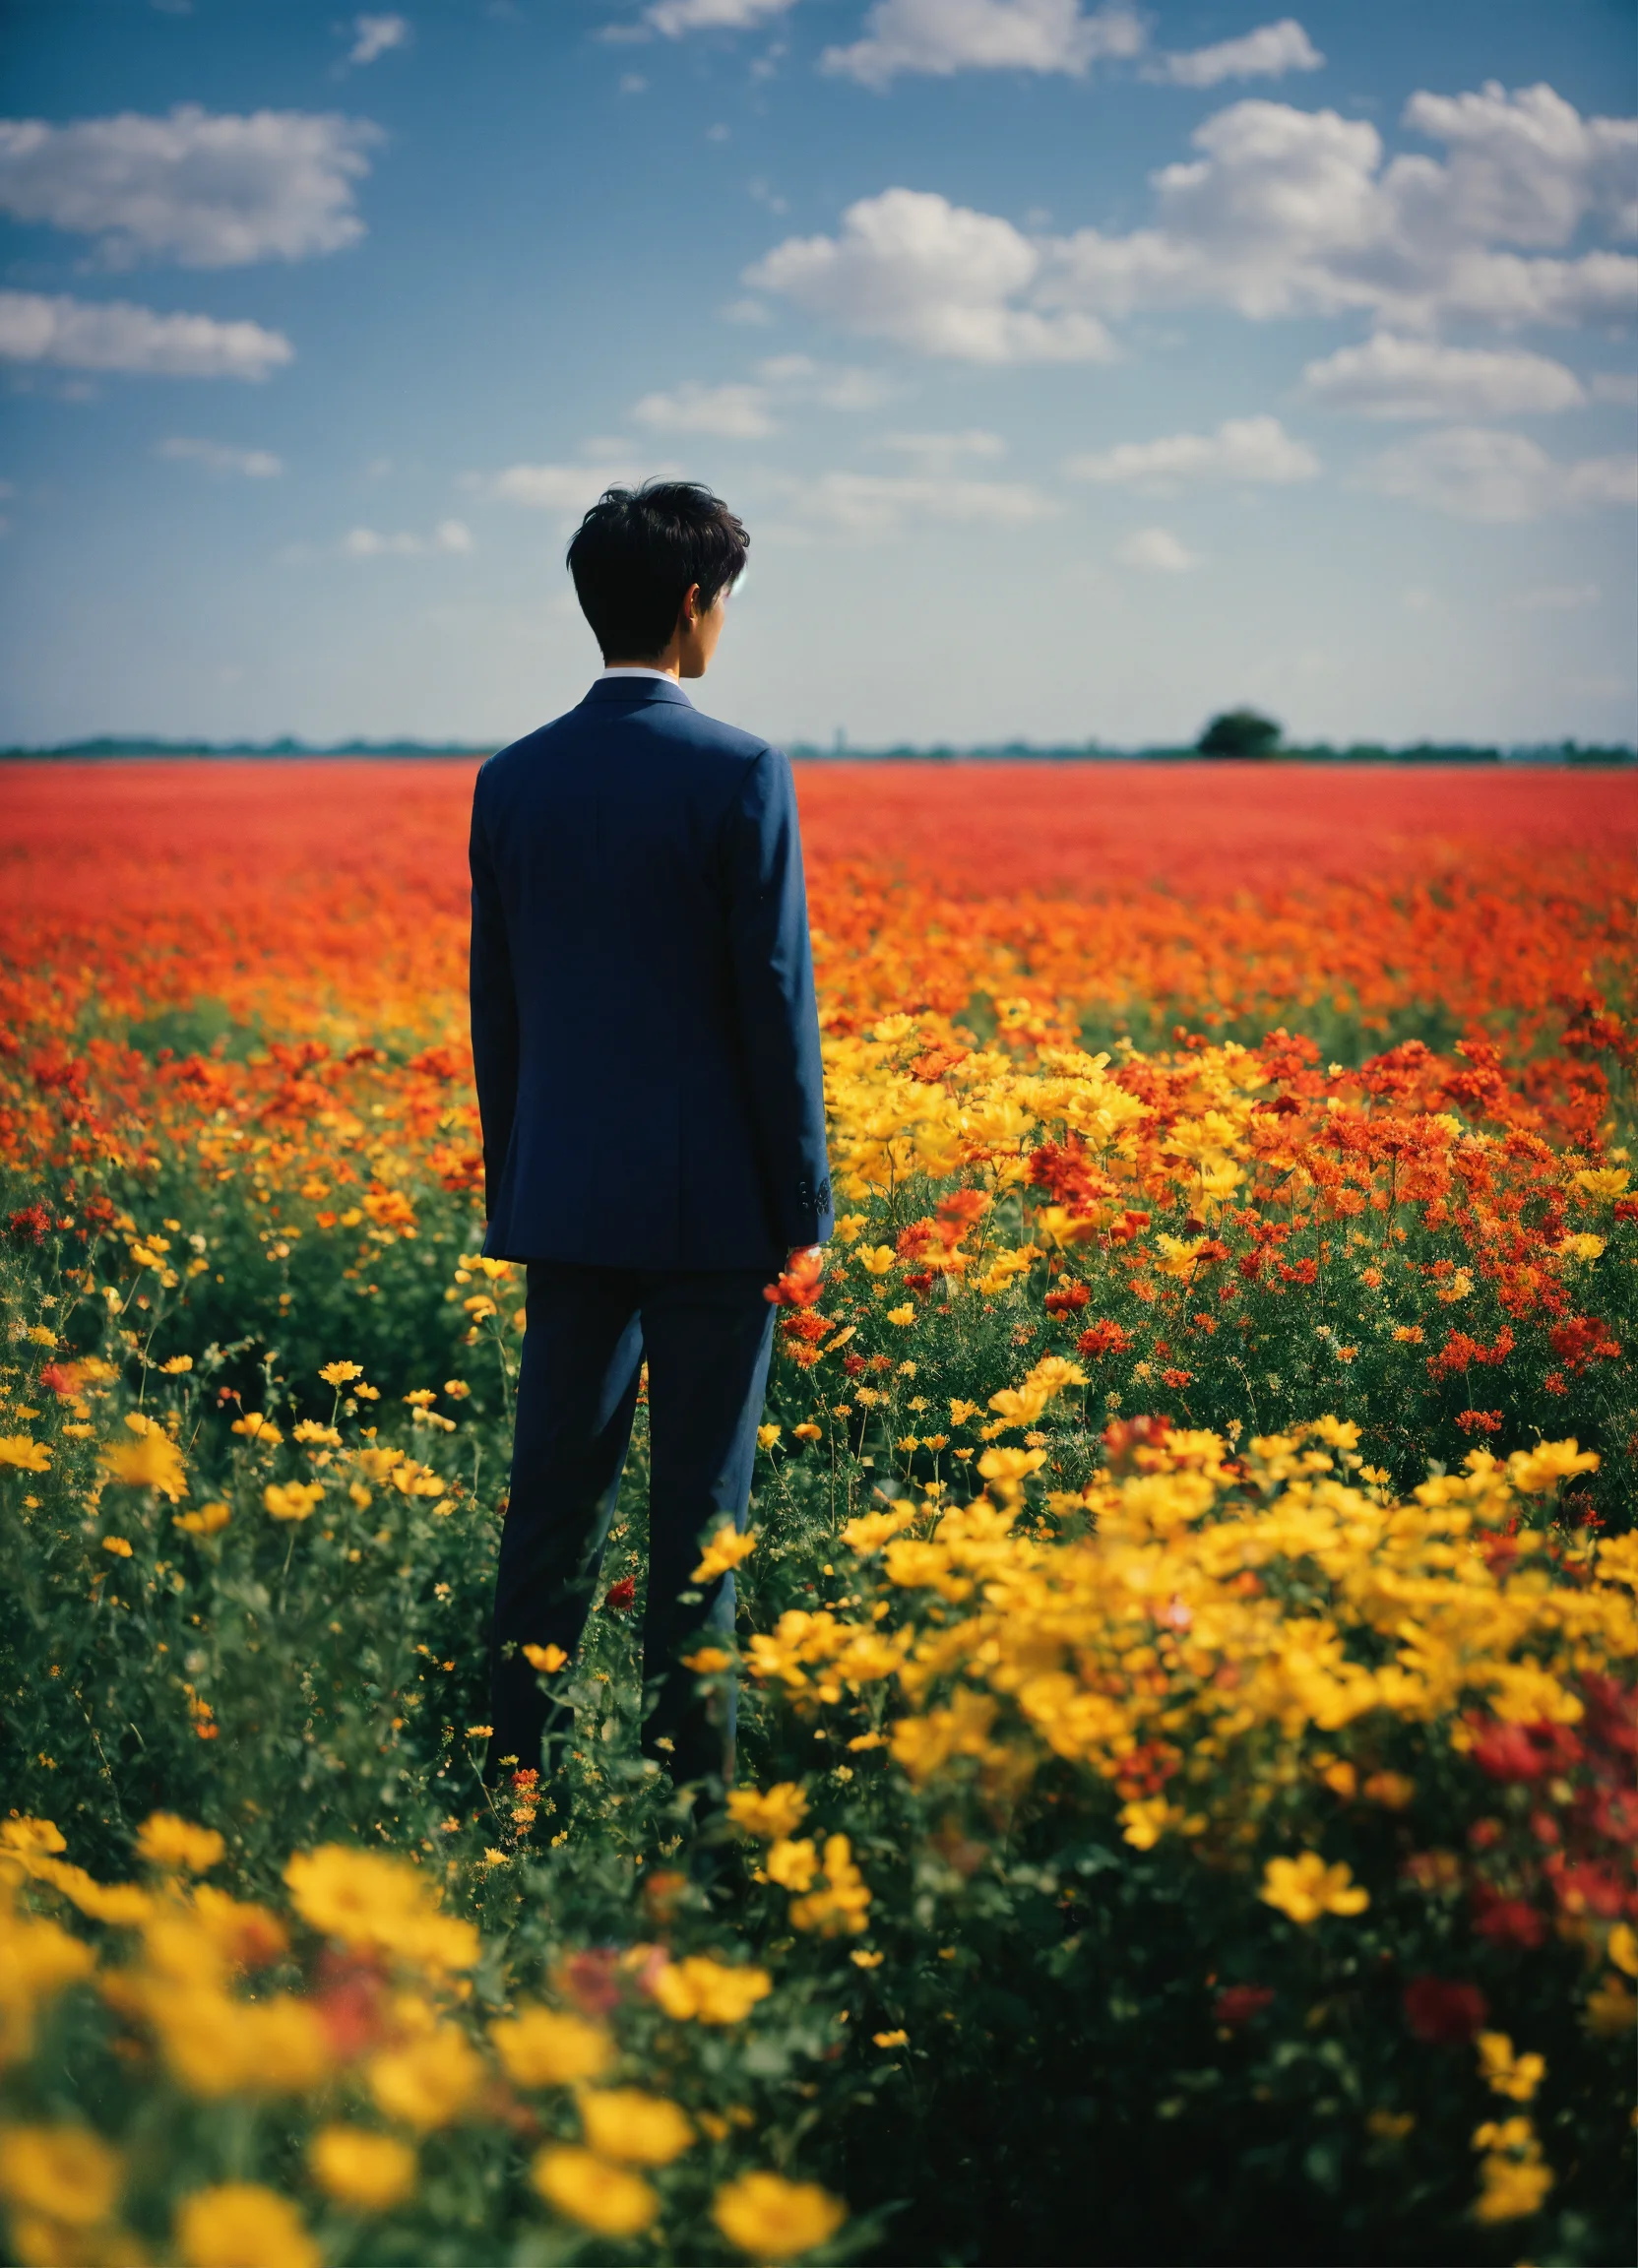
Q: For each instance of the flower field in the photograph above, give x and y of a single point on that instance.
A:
(1187, 1779)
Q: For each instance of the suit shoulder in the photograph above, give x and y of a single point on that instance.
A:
(745, 748)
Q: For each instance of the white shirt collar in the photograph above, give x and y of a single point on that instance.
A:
(635, 669)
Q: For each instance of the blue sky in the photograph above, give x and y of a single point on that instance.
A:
(1079, 370)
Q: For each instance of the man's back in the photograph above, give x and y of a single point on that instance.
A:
(643, 1024)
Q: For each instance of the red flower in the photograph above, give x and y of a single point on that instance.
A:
(1507, 1920)
(1176, 1379)
(801, 1283)
(1442, 2012)
(621, 1596)
(30, 1225)
(1241, 2002)
(1104, 1339)
(1067, 1299)
(1522, 1751)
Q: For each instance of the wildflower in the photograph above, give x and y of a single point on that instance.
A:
(639, 2129)
(548, 1659)
(1442, 2012)
(209, 1520)
(768, 1813)
(766, 1435)
(65, 2174)
(842, 1905)
(725, 1549)
(292, 1499)
(255, 1427)
(1392, 1790)
(1303, 1888)
(340, 1373)
(119, 1546)
(371, 2171)
(791, 1865)
(890, 2039)
(587, 2188)
(1535, 1471)
(1504, 2072)
(378, 1904)
(808, 1432)
(773, 2219)
(177, 1846)
(903, 1316)
(621, 1596)
(151, 1461)
(1513, 2180)
(876, 1259)
(801, 1282)
(429, 2081)
(549, 2048)
(1238, 2004)
(242, 2225)
(863, 1960)
(1612, 2009)
(706, 1989)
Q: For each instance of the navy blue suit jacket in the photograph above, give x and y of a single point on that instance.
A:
(644, 1027)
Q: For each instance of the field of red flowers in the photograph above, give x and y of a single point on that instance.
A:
(1185, 1655)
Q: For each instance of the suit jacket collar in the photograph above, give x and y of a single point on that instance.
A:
(628, 692)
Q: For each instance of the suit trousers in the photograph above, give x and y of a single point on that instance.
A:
(707, 1336)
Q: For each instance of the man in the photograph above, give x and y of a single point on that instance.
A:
(647, 1050)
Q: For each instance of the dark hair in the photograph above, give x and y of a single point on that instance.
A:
(637, 552)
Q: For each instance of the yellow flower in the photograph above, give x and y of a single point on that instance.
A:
(382, 1904)
(844, 1903)
(256, 1426)
(1303, 1888)
(218, 2047)
(871, 1530)
(1612, 2009)
(1623, 1947)
(600, 2196)
(793, 1864)
(725, 1549)
(293, 1499)
(66, 2174)
(709, 1661)
(546, 2048)
(151, 1461)
(241, 2225)
(177, 1365)
(1602, 1180)
(904, 1316)
(1535, 1471)
(637, 2128)
(27, 1454)
(768, 1813)
(808, 1432)
(177, 1846)
(890, 2039)
(875, 1259)
(338, 1374)
(1513, 2180)
(1392, 1790)
(862, 1960)
(373, 2171)
(207, 1521)
(429, 2081)
(118, 1545)
(766, 1435)
(1515, 2076)
(548, 1659)
(772, 2219)
(709, 1990)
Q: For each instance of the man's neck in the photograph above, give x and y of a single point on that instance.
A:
(652, 669)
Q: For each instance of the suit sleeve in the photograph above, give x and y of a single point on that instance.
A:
(778, 1020)
(494, 1009)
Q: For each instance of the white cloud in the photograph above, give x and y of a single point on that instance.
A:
(377, 36)
(568, 489)
(943, 37)
(450, 535)
(832, 385)
(219, 457)
(1249, 450)
(1157, 552)
(210, 190)
(1289, 212)
(912, 267)
(1269, 52)
(1391, 377)
(111, 335)
(1619, 386)
(1478, 472)
(1557, 599)
(676, 17)
(736, 411)
(873, 504)
(946, 448)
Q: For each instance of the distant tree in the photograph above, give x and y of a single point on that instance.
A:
(1240, 732)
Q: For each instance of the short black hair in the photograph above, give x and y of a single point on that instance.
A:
(638, 551)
